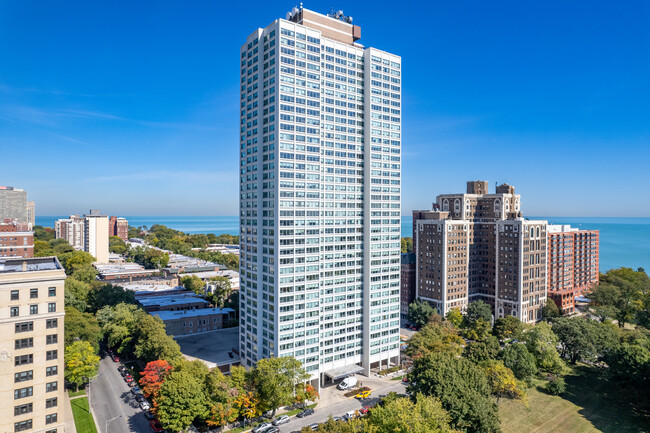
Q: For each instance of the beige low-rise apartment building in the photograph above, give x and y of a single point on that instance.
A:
(31, 345)
(465, 252)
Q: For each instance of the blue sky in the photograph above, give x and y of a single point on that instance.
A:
(132, 107)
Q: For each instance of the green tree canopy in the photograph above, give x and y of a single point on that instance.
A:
(420, 312)
(584, 339)
(81, 327)
(620, 294)
(550, 310)
(81, 363)
(461, 387)
(193, 283)
(407, 245)
(401, 415)
(503, 382)
(480, 351)
(436, 336)
(180, 400)
(507, 327)
(478, 310)
(542, 343)
(518, 359)
(275, 380)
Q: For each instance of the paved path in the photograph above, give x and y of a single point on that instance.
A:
(111, 397)
(322, 414)
(69, 426)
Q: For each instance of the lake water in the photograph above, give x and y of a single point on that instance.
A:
(623, 241)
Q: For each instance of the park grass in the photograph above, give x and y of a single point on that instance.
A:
(589, 405)
(72, 393)
(83, 419)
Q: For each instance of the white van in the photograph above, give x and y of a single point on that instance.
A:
(347, 383)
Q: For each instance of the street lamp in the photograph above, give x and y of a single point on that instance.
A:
(109, 421)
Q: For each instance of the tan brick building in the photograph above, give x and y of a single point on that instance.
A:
(31, 345)
(456, 246)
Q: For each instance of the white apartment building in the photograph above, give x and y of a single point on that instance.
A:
(320, 186)
(88, 233)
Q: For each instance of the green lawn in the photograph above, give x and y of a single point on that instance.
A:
(72, 393)
(83, 420)
(588, 406)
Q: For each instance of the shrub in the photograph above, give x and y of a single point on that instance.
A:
(555, 385)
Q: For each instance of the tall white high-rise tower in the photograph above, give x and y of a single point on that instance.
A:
(320, 189)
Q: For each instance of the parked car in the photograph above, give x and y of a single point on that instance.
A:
(313, 426)
(305, 413)
(139, 398)
(132, 383)
(282, 419)
(121, 369)
(262, 427)
(144, 405)
(156, 426)
(405, 379)
(338, 418)
(364, 410)
(136, 390)
(115, 358)
(363, 394)
(149, 414)
(273, 430)
(268, 414)
(128, 378)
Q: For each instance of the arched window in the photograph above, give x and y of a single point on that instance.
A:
(537, 231)
(457, 205)
(497, 207)
(517, 205)
(445, 205)
(532, 232)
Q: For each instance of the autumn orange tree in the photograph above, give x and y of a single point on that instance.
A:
(153, 377)
(306, 392)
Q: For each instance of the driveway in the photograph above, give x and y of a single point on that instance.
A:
(111, 397)
(339, 409)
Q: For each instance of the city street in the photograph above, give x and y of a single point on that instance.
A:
(111, 397)
(322, 414)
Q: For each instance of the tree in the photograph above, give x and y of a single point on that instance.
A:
(153, 342)
(503, 382)
(407, 245)
(109, 295)
(275, 380)
(550, 310)
(119, 324)
(74, 260)
(221, 290)
(401, 415)
(583, 339)
(81, 363)
(518, 359)
(478, 310)
(42, 249)
(221, 394)
(420, 313)
(507, 327)
(555, 385)
(193, 283)
(305, 392)
(480, 351)
(76, 294)
(85, 273)
(117, 245)
(180, 400)
(542, 343)
(81, 326)
(153, 376)
(620, 293)
(461, 387)
(479, 330)
(434, 337)
(455, 317)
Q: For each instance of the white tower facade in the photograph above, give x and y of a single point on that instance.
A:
(320, 193)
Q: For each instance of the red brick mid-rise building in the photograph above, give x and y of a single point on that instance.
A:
(118, 226)
(572, 264)
(16, 239)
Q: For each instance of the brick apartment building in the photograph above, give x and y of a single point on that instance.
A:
(16, 239)
(118, 226)
(407, 285)
(573, 258)
(477, 246)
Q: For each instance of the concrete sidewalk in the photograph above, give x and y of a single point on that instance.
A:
(68, 426)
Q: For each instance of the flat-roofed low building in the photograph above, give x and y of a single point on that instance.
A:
(173, 302)
(123, 272)
(187, 322)
(31, 345)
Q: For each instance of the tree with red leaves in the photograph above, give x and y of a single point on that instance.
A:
(153, 377)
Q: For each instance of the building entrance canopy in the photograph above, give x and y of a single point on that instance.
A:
(341, 372)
